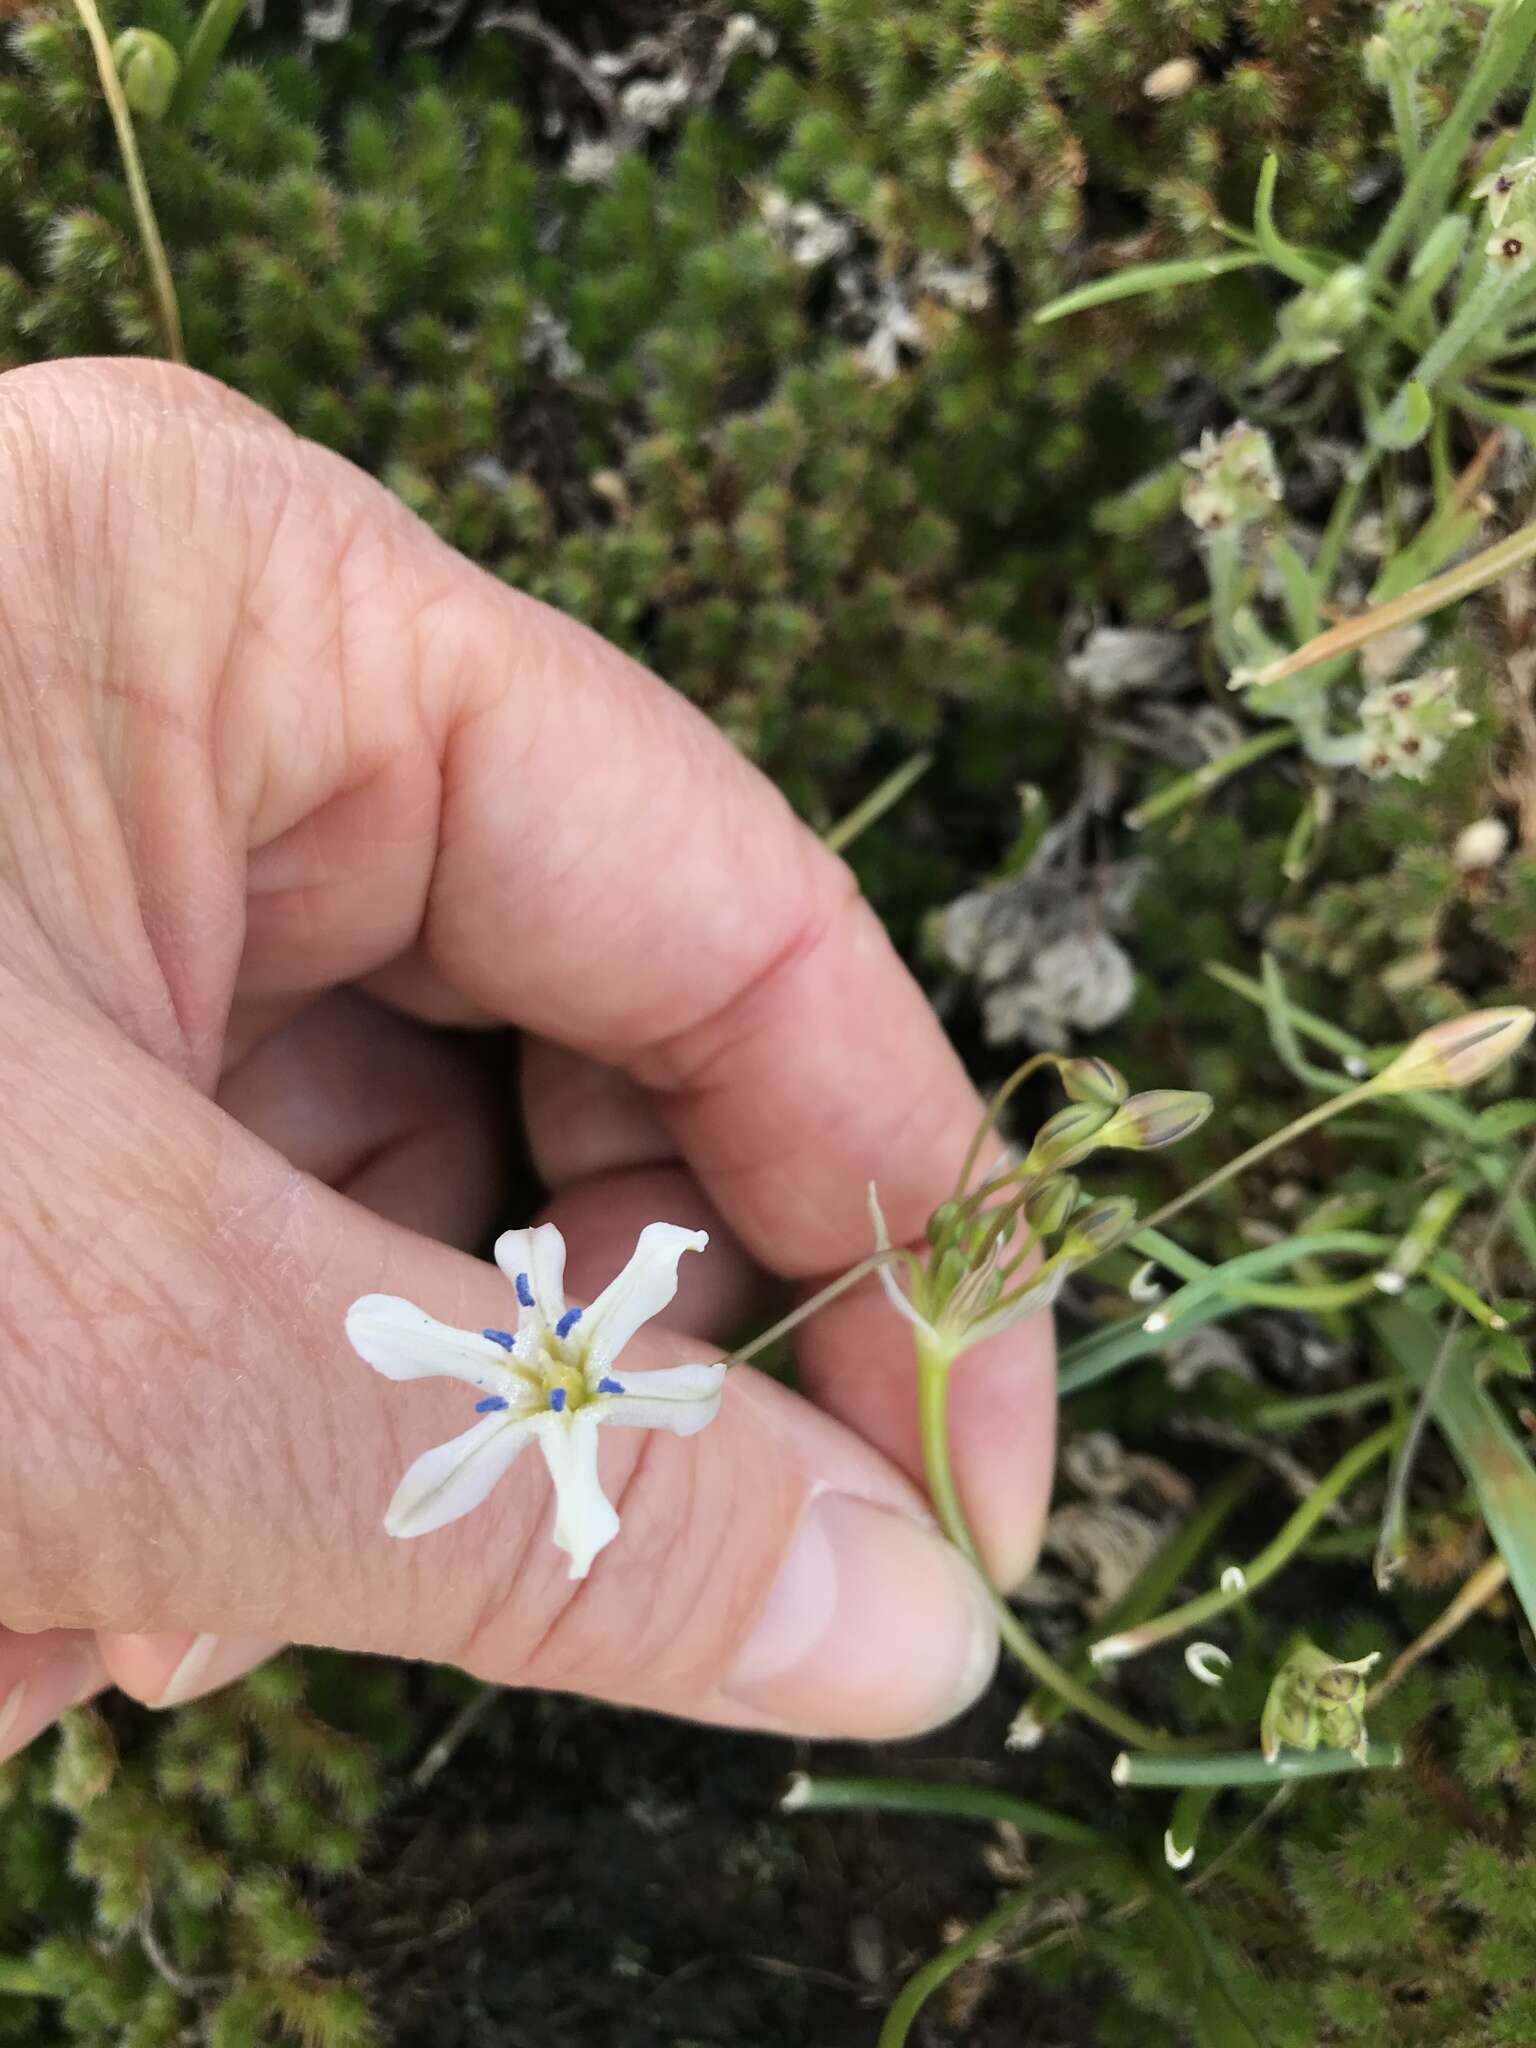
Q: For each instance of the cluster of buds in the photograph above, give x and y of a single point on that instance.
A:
(1315, 1702)
(1234, 482)
(1406, 726)
(1315, 324)
(1511, 196)
(1004, 1250)
(1409, 38)
(149, 70)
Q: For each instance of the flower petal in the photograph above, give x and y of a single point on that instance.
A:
(1032, 1303)
(641, 1291)
(585, 1521)
(404, 1343)
(681, 1398)
(902, 1303)
(538, 1257)
(452, 1478)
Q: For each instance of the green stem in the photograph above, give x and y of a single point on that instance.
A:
(1318, 1114)
(1308, 1408)
(1188, 789)
(1402, 92)
(995, 1107)
(1115, 1649)
(806, 1309)
(880, 800)
(1167, 1568)
(160, 281)
(1493, 290)
(216, 25)
(935, 1973)
(21, 1978)
(1235, 1277)
(1509, 33)
(1162, 1772)
(810, 1794)
(1336, 533)
(933, 1369)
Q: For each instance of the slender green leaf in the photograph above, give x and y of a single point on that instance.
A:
(1486, 1447)
(1143, 277)
(1284, 255)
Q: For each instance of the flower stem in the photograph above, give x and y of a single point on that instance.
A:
(807, 1794)
(938, 1970)
(1249, 1768)
(1319, 1114)
(1188, 789)
(805, 1309)
(1146, 1635)
(160, 281)
(933, 1368)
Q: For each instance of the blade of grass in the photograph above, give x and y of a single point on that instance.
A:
(1474, 574)
(880, 800)
(1486, 1447)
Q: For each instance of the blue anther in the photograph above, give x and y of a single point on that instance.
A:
(609, 1386)
(502, 1337)
(524, 1291)
(568, 1322)
(491, 1405)
(557, 1400)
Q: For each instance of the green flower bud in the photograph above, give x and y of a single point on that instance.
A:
(1098, 1228)
(1067, 1136)
(1315, 1702)
(1091, 1080)
(1048, 1208)
(1315, 324)
(1160, 1116)
(945, 1225)
(1410, 38)
(150, 71)
(1456, 1053)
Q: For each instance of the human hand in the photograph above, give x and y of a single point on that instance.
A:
(284, 783)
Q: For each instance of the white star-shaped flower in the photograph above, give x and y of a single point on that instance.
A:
(552, 1380)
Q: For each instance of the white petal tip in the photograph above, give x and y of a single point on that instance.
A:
(1120, 1770)
(1155, 1323)
(1388, 1282)
(1234, 1579)
(1109, 1651)
(797, 1793)
(1177, 1858)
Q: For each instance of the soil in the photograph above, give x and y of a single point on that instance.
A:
(580, 1877)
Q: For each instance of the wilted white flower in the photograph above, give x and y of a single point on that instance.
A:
(551, 1381)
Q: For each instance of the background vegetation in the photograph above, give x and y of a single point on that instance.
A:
(717, 329)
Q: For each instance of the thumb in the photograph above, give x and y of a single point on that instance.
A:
(197, 1449)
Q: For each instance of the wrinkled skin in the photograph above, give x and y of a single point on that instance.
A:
(284, 784)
